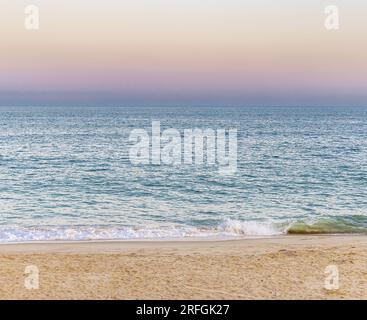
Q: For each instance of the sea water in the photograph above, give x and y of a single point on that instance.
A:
(65, 174)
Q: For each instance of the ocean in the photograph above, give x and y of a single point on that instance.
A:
(66, 174)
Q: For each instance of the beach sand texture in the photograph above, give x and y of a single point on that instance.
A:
(287, 267)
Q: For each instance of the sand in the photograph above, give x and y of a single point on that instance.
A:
(287, 267)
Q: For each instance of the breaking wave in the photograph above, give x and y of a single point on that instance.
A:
(227, 228)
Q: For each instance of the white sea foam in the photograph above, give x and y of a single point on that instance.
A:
(251, 228)
(227, 228)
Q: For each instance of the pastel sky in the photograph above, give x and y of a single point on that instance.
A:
(183, 52)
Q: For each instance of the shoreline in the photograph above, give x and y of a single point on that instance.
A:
(179, 240)
(281, 267)
(95, 246)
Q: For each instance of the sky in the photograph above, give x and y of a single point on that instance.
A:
(176, 52)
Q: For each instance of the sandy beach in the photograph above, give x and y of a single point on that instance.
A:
(287, 267)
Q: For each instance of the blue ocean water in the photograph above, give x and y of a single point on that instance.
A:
(65, 174)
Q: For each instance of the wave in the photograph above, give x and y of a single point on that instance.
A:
(251, 228)
(334, 225)
(327, 225)
(226, 228)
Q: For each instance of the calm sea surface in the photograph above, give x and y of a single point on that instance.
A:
(65, 174)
